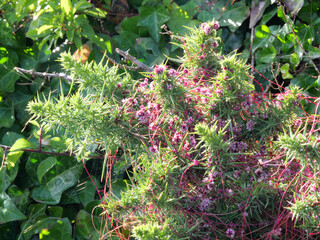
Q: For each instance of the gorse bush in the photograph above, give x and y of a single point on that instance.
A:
(210, 157)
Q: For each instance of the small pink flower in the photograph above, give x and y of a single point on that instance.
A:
(230, 233)
(250, 124)
(215, 44)
(119, 85)
(215, 25)
(153, 149)
(173, 73)
(159, 69)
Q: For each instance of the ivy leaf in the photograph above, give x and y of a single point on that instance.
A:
(154, 20)
(19, 197)
(50, 228)
(61, 230)
(87, 190)
(50, 193)
(285, 71)
(293, 6)
(45, 166)
(84, 226)
(234, 16)
(8, 211)
(8, 79)
(6, 115)
(10, 137)
(182, 16)
(257, 10)
(262, 35)
(16, 151)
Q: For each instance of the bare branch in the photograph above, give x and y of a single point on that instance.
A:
(141, 66)
(44, 74)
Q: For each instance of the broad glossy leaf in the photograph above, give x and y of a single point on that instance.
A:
(154, 20)
(55, 211)
(145, 45)
(87, 190)
(10, 137)
(293, 6)
(16, 151)
(294, 59)
(262, 35)
(117, 187)
(314, 52)
(266, 55)
(44, 28)
(20, 97)
(66, 6)
(257, 9)
(8, 211)
(49, 228)
(45, 166)
(217, 10)
(2, 179)
(84, 225)
(182, 16)
(50, 193)
(19, 197)
(61, 230)
(234, 16)
(20, 144)
(8, 79)
(285, 71)
(130, 25)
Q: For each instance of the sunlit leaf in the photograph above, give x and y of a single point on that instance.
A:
(8, 211)
(45, 166)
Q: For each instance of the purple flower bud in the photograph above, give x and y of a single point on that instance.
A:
(215, 25)
(159, 69)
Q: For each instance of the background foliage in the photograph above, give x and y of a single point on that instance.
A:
(41, 191)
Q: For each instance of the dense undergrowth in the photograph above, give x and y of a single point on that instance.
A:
(210, 157)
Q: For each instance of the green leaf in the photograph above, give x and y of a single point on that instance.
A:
(55, 211)
(266, 55)
(8, 211)
(44, 28)
(257, 9)
(8, 79)
(234, 16)
(50, 193)
(117, 187)
(314, 52)
(49, 228)
(182, 16)
(217, 10)
(262, 35)
(87, 190)
(294, 59)
(10, 137)
(6, 115)
(3, 179)
(61, 230)
(66, 6)
(45, 166)
(81, 5)
(154, 20)
(84, 225)
(20, 144)
(285, 71)
(19, 197)
(293, 6)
